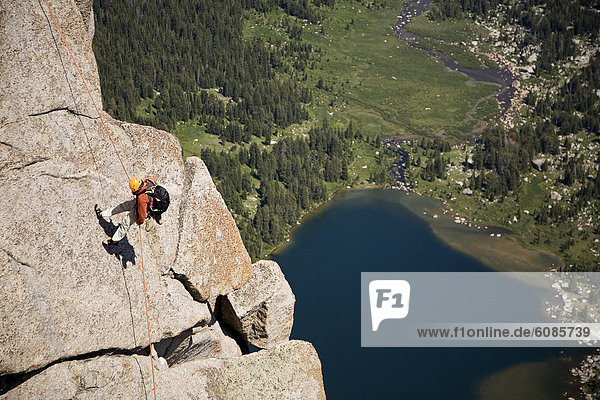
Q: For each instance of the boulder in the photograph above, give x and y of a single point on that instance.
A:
(211, 254)
(262, 310)
(203, 342)
(289, 371)
(538, 162)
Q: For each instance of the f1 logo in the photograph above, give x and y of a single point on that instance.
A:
(389, 299)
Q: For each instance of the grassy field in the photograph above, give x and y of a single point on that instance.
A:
(193, 137)
(370, 77)
(375, 79)
(453, 38)
(487, 109)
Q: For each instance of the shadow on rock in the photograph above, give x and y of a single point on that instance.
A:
(124, 251)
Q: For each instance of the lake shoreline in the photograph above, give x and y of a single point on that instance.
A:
(475, 237)
(375, 230)
(315, 211)
(503, 235)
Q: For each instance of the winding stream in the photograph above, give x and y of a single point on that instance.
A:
(391, 230)
(502, 77)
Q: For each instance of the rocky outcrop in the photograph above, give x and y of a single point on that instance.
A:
(290, 371)
(203, 342)
(262, 310)
(72, 313)
(64, 285)
(208, 231)
(63, 294)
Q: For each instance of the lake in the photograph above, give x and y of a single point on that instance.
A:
(376, 230)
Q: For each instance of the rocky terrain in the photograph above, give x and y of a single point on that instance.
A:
(72, 314)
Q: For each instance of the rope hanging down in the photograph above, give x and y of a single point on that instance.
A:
(86, 87)
(146, 303)
(126, 173)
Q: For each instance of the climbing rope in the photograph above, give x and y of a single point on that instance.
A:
(86, 87)
(146, 303)
(75, 107)
(126, 173)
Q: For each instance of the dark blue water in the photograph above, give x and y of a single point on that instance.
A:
(370, 230)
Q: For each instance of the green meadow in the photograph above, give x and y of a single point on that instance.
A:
(368, 77)
(373, 78)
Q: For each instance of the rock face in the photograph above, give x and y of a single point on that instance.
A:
(37, 72)
(263, 321)
(72, 313)
(293, 366)
(209, 230)
(64, 289)
(290, 371)
(209, 341)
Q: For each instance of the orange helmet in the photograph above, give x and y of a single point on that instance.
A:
(135, 184)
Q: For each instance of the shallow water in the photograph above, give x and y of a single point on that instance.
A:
(479, 241)
(372, 230)
(502, 77)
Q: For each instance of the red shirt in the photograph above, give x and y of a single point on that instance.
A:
(143, 202)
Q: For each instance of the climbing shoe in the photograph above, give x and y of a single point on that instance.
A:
(109, 242)
(98, 211)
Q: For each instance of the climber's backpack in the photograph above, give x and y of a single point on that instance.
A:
(159, 195)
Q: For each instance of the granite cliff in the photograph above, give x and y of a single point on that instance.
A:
(72, 314)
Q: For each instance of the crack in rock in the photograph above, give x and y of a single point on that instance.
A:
(188, 285)
(66, 177)
(15, 259)
(67, 109)
(11, 381)
(25, 164)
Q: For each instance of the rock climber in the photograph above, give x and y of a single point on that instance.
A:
(151, 200)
